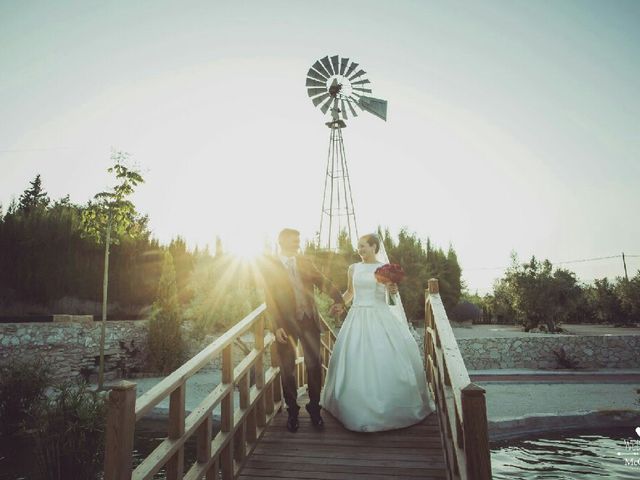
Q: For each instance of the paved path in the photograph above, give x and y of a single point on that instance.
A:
(502, 331)
(558, 378)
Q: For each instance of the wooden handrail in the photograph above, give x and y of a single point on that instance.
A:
(159, 392)
(461, 404)
(241, 429)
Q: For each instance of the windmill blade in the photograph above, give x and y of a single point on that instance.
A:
(315, 83)
(360, 82)
(327, 64)
(323, 71)
(313, 74)
(334, 62)
(312, 92)
(353, 111)
(359, 73)
(357, 102)
(343, 65)
(318, 100)
(325, 107)
(351, 68)
(360, 89)
(375, 106)
(344, 109)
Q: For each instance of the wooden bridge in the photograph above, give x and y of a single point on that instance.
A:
(253, 442)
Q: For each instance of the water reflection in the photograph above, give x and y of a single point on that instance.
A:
(592, 455)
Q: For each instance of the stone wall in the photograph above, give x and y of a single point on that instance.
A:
(72, 348)
(590, 351)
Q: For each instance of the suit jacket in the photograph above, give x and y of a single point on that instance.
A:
(279, 295)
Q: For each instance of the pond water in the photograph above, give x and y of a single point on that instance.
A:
(595, 454)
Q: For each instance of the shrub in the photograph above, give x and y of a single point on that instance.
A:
(166, 346)
(564, 360)
(68, 429)
(22, 384)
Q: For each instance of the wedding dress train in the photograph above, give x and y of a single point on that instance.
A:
(376, 380)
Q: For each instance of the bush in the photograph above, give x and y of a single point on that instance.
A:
(22, 385)
(564, 359)
(166, 346)
(68, 429)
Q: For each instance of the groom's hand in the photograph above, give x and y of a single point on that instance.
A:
(393, 288)
(281, 335)
(337, 309)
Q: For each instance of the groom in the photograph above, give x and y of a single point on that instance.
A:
(289, 281)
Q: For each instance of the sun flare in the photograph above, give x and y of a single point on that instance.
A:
(245, 249)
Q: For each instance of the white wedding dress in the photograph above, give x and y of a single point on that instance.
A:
(376, 380)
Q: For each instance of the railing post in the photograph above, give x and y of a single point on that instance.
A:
(175, 466)
(428, 325)
(434, 286)
(212, 473)
(120, 426)
(226, 411)
(203, 440)
(260, 417)
(301, 372)
(272, 393)
(239, 438)
(326, 352)
(476, 433)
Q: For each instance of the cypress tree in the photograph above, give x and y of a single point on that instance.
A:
(33, 197)
(165, 337)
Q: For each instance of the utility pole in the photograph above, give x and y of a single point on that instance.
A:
(624, 262)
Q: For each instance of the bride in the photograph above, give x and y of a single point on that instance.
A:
(376, 379)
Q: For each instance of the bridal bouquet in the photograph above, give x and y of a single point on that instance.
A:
(389, 273)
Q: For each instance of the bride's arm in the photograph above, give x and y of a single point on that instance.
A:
(348, 295)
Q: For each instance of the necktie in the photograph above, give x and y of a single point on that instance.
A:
(291, 267)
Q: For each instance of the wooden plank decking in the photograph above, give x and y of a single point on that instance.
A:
(336, 453)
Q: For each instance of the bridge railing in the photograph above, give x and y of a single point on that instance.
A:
(327, 340)
(461, 404)
(240, 429)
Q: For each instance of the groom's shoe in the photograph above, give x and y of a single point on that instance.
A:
(316, 419)
(292, 423)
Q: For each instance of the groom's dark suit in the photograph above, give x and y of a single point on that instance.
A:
(299, 317)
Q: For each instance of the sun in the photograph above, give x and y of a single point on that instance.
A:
(246, 249)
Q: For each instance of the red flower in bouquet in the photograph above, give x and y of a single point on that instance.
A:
(389, 273)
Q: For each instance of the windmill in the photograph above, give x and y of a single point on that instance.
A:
(338, 87)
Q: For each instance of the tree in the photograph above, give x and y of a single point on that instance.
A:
(110, 216)
(628, 293)
(33, 198)
(166, 347)
(540, 295)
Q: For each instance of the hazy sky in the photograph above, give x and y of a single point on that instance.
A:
(512, 125)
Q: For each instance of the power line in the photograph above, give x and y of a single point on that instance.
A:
(18, 150)
(582, 260)
(587, 260)
(623, 256)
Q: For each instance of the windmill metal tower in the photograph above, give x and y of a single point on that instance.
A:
(335, 84)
